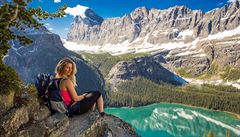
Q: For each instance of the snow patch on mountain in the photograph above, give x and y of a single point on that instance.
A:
(223, 34)
(145, 46)
(185, 33)
(235, 84)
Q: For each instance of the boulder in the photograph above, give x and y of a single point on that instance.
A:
(97, 129)
(41, 114)
(13, 120)
(79, 124)
(6, 101)
(34, 130)
(56, 125)
(36, 111)
(116, 127)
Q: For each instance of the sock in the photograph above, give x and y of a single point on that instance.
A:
(102, 114)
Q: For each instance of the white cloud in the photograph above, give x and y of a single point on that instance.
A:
(75, 11)
(66, 29)
(57, 1)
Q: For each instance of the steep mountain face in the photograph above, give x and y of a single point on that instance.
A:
(90, 19)
(219, 20)
(190, 39)
(221, 52)
(139, 23)
(43, 55)
(160, 26)
(147, 67)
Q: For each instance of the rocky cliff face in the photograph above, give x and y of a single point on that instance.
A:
(89, 20)
(43, 55)
(147, 67)
(27, 117)
(160, 26)
(218, 20)
(221, 52)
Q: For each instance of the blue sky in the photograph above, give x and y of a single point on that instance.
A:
(115, 8)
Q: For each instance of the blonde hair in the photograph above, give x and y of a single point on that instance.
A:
(60, 67)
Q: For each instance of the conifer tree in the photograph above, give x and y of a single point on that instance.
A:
(210, 134)
(16, 16)
(228, 133)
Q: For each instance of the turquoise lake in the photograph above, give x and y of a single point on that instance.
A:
(175, 120)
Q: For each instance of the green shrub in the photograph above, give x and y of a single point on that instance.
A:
(127, 57)
(213, 70)
(9, 79)
(228, 73)
(184, 72)
(31, 89)
(231, 74)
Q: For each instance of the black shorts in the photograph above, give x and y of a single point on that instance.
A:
(84, 105)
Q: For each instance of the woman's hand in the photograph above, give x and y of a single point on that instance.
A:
(87, 95)
(84, 94)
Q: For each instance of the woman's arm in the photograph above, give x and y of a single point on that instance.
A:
(71, 89)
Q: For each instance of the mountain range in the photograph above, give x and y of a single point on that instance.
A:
(176, 24)
(191, 43)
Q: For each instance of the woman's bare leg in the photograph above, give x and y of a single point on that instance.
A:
(100, 104)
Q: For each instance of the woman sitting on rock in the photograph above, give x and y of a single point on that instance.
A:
(77, 104)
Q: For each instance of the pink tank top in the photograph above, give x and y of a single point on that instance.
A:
(66, 97)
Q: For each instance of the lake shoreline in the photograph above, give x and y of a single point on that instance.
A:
(157, 117)
(231, 113)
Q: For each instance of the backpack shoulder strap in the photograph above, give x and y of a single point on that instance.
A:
(60, 81)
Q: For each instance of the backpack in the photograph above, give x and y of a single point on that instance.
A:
(48, 89)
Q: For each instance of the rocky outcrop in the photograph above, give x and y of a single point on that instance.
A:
(118, 128)
(57, 125)
(29, 118)
(148, 67)
(222, 52)
(13, 120)
(195, 64)
(87, 125)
